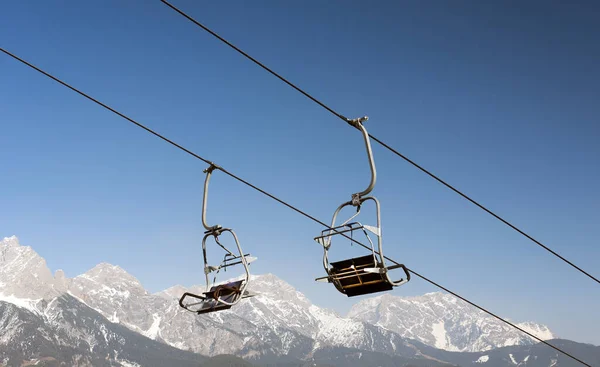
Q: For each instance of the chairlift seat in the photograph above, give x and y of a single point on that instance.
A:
(209, 301)
(354, 280)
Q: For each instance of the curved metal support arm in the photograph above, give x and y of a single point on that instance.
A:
(327, 241)
(208, 172)
(243, 261)
(335, 214)
(357, 123)
(247, 270)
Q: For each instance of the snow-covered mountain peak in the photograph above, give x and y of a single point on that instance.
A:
(268, 280)
(119, 296)
(442, 321)
(12, 241)
(269, 285)
(105, 274)
(107, 268)
(107, 281)
(433, 294)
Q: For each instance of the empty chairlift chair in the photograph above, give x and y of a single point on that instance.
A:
(222, 296)
(365, 274)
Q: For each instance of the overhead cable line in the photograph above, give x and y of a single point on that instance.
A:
(275, 198)
(345, 119)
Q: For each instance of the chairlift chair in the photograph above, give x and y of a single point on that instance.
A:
(365, 274)
(222, 296)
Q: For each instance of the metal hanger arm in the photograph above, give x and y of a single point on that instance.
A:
(208, 172)
(358, 123)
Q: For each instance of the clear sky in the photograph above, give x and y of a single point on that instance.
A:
(498, 98)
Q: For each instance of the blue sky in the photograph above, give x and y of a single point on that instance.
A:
(498, 99)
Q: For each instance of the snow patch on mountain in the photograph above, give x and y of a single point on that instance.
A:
(482, 359)
(442, 340)
(28, 304)
(154, 329)
(126, 363)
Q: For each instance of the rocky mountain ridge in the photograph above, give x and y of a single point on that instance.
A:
(279, 323)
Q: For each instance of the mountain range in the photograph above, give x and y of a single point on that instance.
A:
(106, 317)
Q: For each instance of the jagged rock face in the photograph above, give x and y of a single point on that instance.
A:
(118, 296)
(23, 273)
(442, 321)
(24, 331)
(64, 331)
